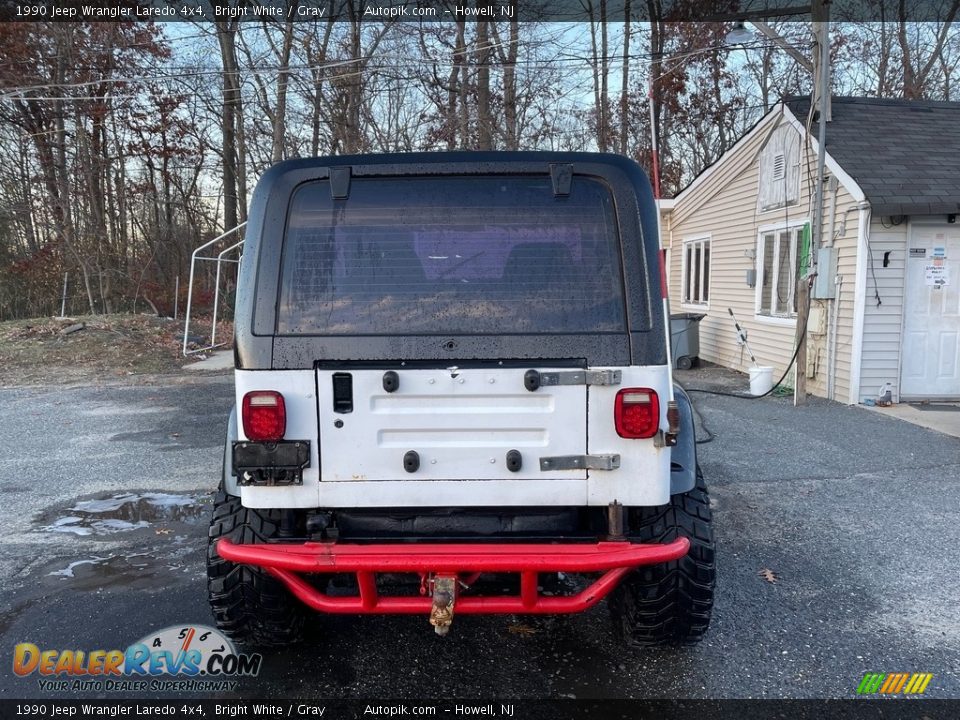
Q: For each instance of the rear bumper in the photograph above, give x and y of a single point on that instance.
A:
(288, 562)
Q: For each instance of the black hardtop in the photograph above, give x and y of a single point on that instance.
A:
(457, 162)
(260, 346)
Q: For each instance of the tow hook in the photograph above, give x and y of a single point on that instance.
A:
(444, 598)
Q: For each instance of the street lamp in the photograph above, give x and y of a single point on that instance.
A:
(739, 35)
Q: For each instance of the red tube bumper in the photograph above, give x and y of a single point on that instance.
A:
(613, 559)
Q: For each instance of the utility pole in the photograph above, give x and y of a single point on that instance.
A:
(820, 99)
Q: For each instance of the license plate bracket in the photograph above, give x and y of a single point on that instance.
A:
(270, 463)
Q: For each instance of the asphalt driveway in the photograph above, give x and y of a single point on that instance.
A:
(837, 533)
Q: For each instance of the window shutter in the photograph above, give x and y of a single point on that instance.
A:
(779, 181)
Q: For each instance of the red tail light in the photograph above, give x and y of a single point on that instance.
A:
(637, 413)
(264, 416)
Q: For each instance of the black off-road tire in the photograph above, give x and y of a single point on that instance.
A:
(249, 605)
(669, 603)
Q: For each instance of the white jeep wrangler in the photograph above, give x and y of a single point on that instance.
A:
(451, 367)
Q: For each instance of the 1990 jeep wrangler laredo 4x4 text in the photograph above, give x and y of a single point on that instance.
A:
(452, 367)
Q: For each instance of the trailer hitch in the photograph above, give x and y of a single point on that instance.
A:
(444, 599)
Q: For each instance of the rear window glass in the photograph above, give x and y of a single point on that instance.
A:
(451, 256)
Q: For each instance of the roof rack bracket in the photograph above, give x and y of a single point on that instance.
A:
(561, 175)
(340, 182)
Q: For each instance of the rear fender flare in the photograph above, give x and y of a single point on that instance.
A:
(683, 455)
(229, 479)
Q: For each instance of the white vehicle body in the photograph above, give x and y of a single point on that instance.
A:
(462, 422)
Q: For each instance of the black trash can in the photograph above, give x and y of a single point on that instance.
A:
(685, 339)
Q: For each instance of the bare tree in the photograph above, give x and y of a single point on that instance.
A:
(508, 53)
(600, 69)
(275, 112)
(484, 113)
(625, 80)
(231, 125)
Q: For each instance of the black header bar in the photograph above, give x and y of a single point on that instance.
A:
(429, 11)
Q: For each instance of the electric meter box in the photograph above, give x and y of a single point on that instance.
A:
(824, 284)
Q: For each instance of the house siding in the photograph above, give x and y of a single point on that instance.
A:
(882, 324)
(724, 206)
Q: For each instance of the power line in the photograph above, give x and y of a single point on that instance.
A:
(20, 93)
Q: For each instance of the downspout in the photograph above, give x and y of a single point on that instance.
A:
(859, 301)
(832, 341)
(670, 230)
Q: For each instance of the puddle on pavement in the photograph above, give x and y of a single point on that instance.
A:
(134, 570)
(148, 568)
(113, 410)
(125, 512)
(137, 540)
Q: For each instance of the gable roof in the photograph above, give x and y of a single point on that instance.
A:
(902, 153)
(693, 195)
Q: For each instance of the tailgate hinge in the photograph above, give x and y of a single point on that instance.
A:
(581, 377)
(580, 462)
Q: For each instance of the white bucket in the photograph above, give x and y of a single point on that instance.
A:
(761, 380)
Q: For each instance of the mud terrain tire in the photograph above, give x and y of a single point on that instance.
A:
(249, 606)
(669, 603)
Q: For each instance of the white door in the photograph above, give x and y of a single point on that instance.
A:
(931, 337)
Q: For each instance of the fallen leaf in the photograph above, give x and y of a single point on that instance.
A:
(769, 575)
(521, 629)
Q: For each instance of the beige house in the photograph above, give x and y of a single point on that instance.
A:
(886, 307)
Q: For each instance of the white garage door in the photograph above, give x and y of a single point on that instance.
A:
(931, 338)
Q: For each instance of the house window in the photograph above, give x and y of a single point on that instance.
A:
(696, 271)
(778, 265)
